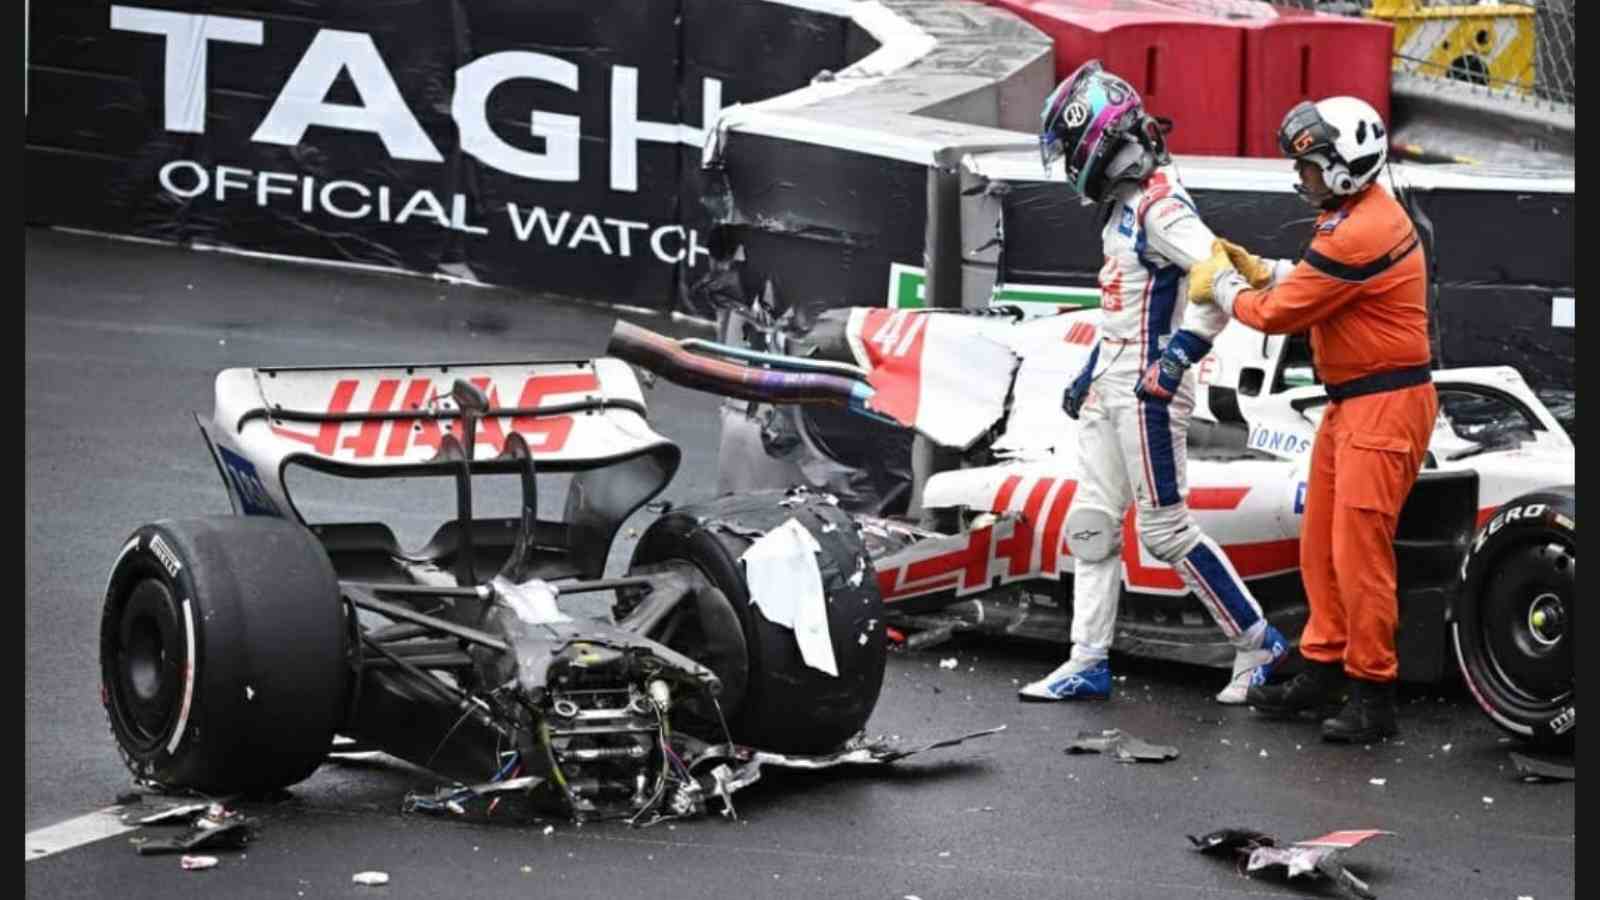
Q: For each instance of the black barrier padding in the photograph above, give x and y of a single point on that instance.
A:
(772, 48)
(97, 136)
(1050, 238)
(824, 193)
(568, 28)
(1504, 237)
(1050, 233)
(858, 44)
(1274, 225)
(567, 257)
(92, 113)
(78, 36)
(1502, 325)
(813, 275)
(643, 38)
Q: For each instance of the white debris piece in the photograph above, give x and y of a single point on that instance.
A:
(862, 640)
(948, 663)
(1263, 754)
(370, 879)
(944, 853)
(549, 830)
(1380, 782)
(1446, 747)
(1488, 799)
(786, 585)
(191, 863)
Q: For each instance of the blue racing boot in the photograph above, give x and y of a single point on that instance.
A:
(1251, 668)
(1075, 679)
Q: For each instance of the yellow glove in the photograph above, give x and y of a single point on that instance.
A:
(1205, 271)
(1254, 269)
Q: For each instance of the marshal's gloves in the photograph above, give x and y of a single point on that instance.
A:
(1072, 399)
(1255, 270)
(1161, 380)
(1204, 272)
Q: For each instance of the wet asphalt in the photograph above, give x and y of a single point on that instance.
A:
(123, 341)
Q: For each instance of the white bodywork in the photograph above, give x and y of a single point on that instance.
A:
(254, 440)
(1250, 497)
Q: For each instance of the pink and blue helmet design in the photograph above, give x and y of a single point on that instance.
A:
(1083, 122)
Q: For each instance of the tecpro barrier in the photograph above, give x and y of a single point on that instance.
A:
(552, 145)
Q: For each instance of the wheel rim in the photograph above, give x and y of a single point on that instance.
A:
(147, 666)
(685, 632)
(1527, 631)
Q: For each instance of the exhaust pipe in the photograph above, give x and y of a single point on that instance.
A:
(673, 361)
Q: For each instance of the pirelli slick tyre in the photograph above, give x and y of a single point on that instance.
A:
(787, 706)
(1513, 621)
(222, 654)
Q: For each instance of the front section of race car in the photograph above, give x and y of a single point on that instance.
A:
(235, 648)
(965, 519)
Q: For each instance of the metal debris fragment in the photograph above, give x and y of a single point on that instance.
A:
(1317, 856)
(174, 815)
(1124, 747)
(1532, 769)
(212, 827)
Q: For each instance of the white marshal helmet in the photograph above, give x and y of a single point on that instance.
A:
(1342, 136)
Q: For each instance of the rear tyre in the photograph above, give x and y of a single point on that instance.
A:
(1513, 624)
(787, 706)
(222, 654)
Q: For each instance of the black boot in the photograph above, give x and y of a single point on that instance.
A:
(1368, 717)
(1318, 689)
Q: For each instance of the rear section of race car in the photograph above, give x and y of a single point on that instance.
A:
(235, 648)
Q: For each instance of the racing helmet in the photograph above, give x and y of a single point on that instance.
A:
(1343, 137)
(1087, 119)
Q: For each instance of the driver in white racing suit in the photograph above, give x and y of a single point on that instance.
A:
(1135, 395)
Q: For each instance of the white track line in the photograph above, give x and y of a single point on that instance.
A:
(95, 826)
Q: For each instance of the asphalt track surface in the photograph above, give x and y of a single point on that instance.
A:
(123, 340)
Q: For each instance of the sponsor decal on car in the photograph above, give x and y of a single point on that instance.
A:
(1029, 542)
(1514, 514)
(1272, 439)
(247, 487)
(366, 439)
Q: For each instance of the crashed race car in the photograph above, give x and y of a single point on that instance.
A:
(235, 649)
(942, 432)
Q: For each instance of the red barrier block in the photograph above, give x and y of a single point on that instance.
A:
(1301, 55)
(1187, 67)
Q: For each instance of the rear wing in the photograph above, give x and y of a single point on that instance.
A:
(387, 421)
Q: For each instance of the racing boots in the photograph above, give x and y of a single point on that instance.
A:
(1368, 717)
(1075, 679)
(1251, 668)
(1318, 690)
